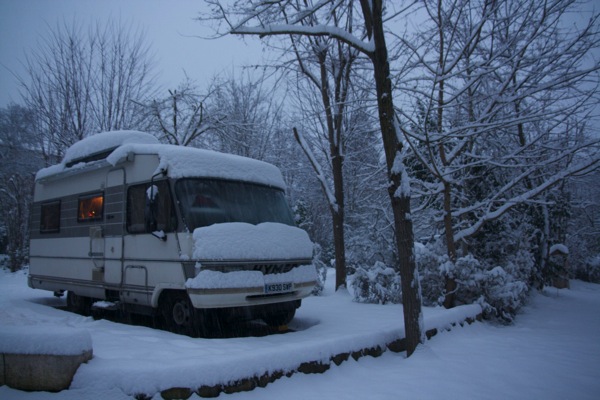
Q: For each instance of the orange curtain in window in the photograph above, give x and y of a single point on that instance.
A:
(91, 208)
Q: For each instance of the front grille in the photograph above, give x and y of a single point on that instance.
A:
(273, 268)
(265, 268)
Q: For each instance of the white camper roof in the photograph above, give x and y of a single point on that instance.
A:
(102, 143)
(113, 148)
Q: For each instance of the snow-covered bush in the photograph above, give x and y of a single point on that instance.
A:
(429, 260)
(499, 284)
(470, 276)
(589, 271)
(503, 294)
(501, 291)
(377, 284)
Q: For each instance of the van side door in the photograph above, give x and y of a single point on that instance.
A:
(113, 229)
(151, 249)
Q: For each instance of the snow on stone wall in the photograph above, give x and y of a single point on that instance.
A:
(55, 340)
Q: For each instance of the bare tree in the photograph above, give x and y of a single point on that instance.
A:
(326, 68)
(267, 18)
(183, 117)
(82, 82)
(123, 73)
(502, 83)
(250, 114)
(584, 227)
(19, 160)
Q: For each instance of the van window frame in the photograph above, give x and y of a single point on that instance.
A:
(180, 184)
(80, 202)
(54, 215)
(172, 220)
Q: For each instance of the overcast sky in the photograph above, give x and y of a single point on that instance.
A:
(169, 28)
(169, 25)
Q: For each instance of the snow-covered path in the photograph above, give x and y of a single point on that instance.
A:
(552, 352)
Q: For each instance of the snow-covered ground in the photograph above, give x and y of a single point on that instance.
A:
(551, 352)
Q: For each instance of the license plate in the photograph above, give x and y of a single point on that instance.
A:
(279, 287)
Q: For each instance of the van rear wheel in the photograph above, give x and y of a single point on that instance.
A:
(79, 304)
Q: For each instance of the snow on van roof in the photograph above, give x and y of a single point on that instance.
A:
(80, 152)
(178, 161)
(181, 162)
(105, 141)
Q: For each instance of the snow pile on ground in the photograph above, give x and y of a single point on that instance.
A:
(242, 241)
(142, 360)
(551, 352)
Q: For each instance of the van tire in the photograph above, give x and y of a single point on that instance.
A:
(178, 314)
(79, 304)
(280, 318)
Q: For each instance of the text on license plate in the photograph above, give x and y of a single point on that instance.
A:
(279, 287)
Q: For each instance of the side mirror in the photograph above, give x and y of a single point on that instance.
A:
(151, 212)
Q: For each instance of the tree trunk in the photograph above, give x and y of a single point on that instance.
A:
(449, 295)
(340, 254)
(337, 164)
(400, 199)
(336, 204)
(334, 136)
(448, 229)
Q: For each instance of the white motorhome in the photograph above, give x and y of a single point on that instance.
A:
(170, 231)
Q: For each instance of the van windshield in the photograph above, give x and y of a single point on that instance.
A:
(205, 202)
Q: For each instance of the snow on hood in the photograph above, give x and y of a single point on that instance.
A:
(207, 279)
(243, 241)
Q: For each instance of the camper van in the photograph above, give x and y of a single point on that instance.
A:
(183, 234)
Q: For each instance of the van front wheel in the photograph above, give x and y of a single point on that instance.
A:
(178, 314)
(280, 318)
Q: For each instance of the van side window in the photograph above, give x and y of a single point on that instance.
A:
(90, 208)
(150, 208)
(50, 219)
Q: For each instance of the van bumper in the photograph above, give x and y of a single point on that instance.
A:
(246, 296)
